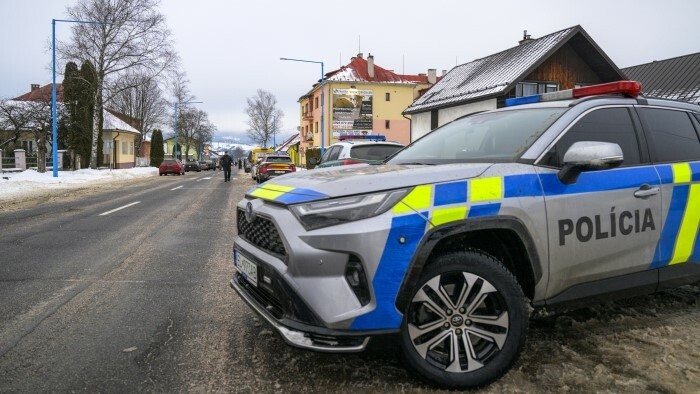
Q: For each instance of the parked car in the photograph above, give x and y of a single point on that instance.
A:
(204, 165)
(556, 200)
(273, 165)
(192, 166)
(213, 164)
(171, 166)
(371, 149)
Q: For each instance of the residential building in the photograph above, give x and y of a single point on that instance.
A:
(117, 135)
(360, 98)
(562, 60)
(191, 154)
(677, 78)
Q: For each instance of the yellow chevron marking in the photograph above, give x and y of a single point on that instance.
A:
(418, 199)
(682, 173)
(271, 192)
(688, 233)
(486, 189)
(447, 215)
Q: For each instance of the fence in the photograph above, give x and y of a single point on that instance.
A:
(8, 162)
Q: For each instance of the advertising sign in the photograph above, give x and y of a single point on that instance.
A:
(352, 111)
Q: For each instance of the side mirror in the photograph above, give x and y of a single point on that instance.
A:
(313, 161)
(589, 156)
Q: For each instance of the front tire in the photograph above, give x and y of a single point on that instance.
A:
(466, 323)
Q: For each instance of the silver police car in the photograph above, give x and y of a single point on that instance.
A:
(452, 241)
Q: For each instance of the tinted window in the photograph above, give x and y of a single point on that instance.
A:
(604, 125)
(672, 133)
(373, 152)
(332, 153)
(278, 159)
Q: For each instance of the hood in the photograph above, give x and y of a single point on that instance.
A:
(318, 184)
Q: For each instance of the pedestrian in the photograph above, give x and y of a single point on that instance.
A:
(226, 162)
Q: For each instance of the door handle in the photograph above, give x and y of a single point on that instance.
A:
(646, 191)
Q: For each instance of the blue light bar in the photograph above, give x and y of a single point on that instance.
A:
(346, 137)
(523, 100)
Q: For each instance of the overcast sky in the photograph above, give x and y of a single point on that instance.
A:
(229, 49)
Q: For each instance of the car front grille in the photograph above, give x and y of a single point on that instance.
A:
(261, 233)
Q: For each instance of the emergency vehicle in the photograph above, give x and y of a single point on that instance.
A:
(558, 199)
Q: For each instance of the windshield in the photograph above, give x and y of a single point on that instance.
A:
(489, 137)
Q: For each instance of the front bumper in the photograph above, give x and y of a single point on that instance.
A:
(302, 335)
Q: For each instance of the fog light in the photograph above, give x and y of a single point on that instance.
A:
(355, 276)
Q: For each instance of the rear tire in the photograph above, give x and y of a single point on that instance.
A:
(466, 323)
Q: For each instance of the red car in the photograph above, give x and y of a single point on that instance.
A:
(273, 165)
(171, 166)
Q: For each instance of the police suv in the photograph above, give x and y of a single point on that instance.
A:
(556, 199)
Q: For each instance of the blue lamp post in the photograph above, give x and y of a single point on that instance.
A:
(54, 127)
(323, 130)
(177, 118)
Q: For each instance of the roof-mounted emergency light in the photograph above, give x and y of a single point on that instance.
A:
(346, 137)
(627, 88)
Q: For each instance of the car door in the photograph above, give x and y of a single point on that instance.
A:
(603, 228)
(674, 137)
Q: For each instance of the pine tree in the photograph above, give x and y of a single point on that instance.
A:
(157, 152)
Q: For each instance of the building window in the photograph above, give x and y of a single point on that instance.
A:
(531, 88)
(28, 146)
(388, 96)
(125, 148)
(316, 127)
(315, 102)
(387, 124)
(434, 119)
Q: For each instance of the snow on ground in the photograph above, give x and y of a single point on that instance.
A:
(30, 182)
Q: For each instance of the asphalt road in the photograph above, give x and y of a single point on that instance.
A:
(95, 299)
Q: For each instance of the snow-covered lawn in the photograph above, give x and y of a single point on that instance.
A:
(29, 182)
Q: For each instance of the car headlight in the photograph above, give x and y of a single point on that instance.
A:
(319, 214)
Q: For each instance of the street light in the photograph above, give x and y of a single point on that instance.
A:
(54, 127)
(323, 130)
(177, 118)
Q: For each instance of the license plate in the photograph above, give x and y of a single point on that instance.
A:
(279, 172)
(248, 268)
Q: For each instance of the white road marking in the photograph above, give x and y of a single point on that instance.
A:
(175, 188)
(120, 208)
(206, 177)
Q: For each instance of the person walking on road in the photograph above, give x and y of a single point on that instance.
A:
(226, 162)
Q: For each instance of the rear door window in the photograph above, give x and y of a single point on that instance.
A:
(373, 151)
(673, 137)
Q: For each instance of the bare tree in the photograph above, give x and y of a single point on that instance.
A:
(132, 36)
(13, 120)
(263, 117)
(140, 96)
(195, 130)
(179, 87)
(32, 117)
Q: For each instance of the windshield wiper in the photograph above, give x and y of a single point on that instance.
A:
(417, 163)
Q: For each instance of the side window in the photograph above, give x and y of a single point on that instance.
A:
(673, 137)
(604, 125)
(333, 153)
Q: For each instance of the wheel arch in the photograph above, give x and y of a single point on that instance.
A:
(505, 238)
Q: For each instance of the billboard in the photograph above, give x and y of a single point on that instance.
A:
(352, 111)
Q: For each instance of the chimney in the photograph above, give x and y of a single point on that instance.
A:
(370, 65)
(444, 72)
(360, 55)
(34, 86)
(526, 38)
(432, 76)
